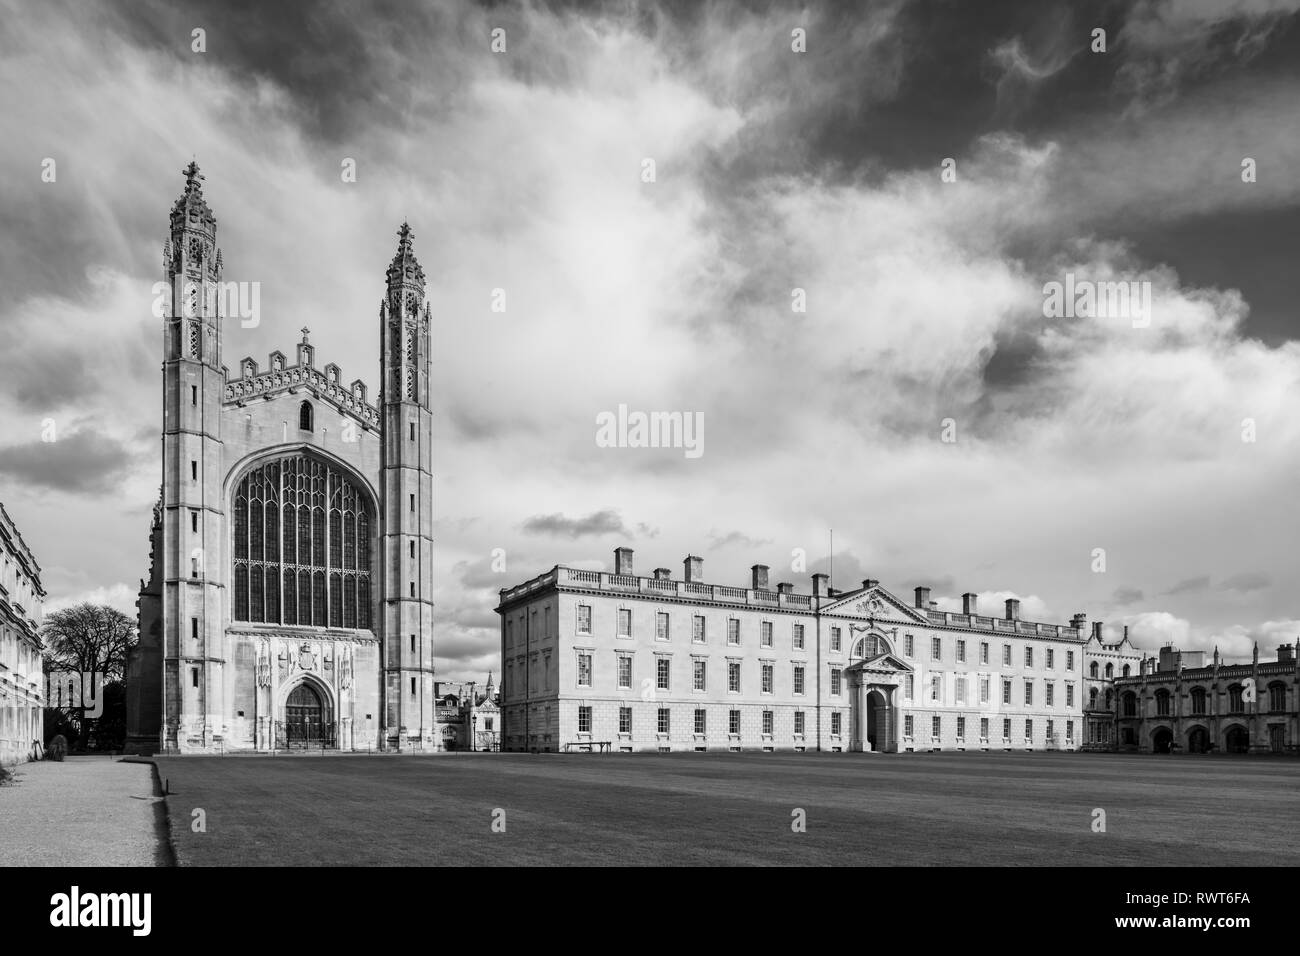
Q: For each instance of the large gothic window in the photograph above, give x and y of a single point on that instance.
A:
(302, 546)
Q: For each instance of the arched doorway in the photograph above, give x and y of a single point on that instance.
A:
(1161, 739)
(304, 718)
(1198, 740)
(876, 720)
(1236, 740)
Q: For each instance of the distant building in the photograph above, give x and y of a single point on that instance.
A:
(468, 719)
(1178, 702)
(22, 679)
(611, 658)
(1103, 665)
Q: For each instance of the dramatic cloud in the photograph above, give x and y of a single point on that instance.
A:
(593, 525)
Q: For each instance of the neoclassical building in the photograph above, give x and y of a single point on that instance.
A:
(22, 679)
(1177, 702)
(289, 596)
(596, 659)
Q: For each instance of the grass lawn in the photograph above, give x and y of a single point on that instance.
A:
(657, 809)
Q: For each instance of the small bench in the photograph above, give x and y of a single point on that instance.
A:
(587, 746)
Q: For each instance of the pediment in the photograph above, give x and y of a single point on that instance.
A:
(877, 603)
(884, 662)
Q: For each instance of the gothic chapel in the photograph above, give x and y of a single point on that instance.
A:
(289, 597)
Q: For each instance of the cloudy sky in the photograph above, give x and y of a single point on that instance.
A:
(775, 170)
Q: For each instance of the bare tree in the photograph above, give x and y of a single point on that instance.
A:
(88, 638)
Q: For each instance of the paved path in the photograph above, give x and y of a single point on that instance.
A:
(85, 811)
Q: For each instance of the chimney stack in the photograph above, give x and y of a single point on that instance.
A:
(922, 597)
(1079, 621)
(1013, 609)
(694, 569)
(820, 582)
(623, 561)
(968, 603)
(759, 577)
(663, 574)
(1096, 630)
(869, 582)
(785, 588)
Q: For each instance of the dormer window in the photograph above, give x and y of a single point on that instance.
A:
(305, 416)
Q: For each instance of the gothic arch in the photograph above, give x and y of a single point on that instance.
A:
(327, 695)
(303, 536)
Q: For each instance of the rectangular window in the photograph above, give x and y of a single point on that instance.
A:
(412, 589)
(700, 674)
(1006, 692)
(412, 503)
(961, 691)
(412, 431)
(797, 640)
(984, 652)
(194, 628)
(909, 686)
(624, 622)
(767, 679)
(765, 634)
(664, 724)
(835, 681)
(835, 723)
(798, 723)
(936, 649)
(733, 676)
(194, 677)
(936, 687)
(1006, 728)
(1029, 657)
(961, 728)
(1049, 694)
(625, 720)
(1029, 728)
(194, 521)
(1069, 660)
(984, 728)
(767, 723)
(584, 670)
(194, 470)
(661, 626)
(798, 678)
(1069, 695)
(624, 672)
(733, 722)
(907, 645)
(1051, 657)
(584, 618)
(700, 720)
(412, 643)
(697, 629)
(1006, 655)
(1069, 730)
(733, 631)
(194, 394)
(907, 726)
(412, 686)
(584, 720)
(412, 549)
(961, 651)
(1029, 692)
(662, 665)
(984, 690)
(835, 639)
(1051, 727)
(935, 726)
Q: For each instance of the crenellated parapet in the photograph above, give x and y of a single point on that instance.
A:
(281, 377)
